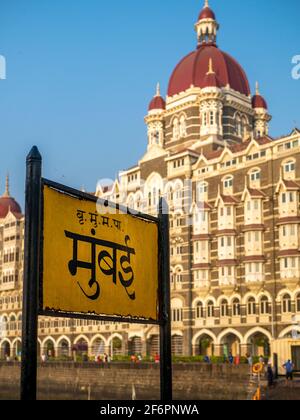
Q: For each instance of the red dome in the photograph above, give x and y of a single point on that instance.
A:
(192, 70)
(207, 13)
(157, 103)
(6, 204)
(259, 102)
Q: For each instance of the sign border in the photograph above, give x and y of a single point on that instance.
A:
(71, 192)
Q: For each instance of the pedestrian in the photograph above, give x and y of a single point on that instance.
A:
(206, 359)
(250, 363)
(270, 376)
(237, 360)
(262, 360)
(157, 358)
(231, 359)
(289, 369)
(44, 358)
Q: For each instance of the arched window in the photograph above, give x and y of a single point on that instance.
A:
(244, 127)
(170, 194)
(224, 308)
(255, 176)
(211, 118)
(177, 310)
(286, 304)
(199, 310)
(238, 126)
(179, 275)
(210, 309)
(176, 129)
(138, 201)
(264, 306)
(251, 306)
(182, 126)
(289, 166)
(236, 307)
(202, 189)
(228, 182)
(130, 202)
(149, 199)
(298, 303)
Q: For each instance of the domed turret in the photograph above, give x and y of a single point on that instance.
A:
(154, 120)
(7, 203)
(207, 26)
(158, 102)
(206, 12)
(258, 101)
(261, 117)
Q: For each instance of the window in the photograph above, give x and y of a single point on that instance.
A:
(211, 118)
(264, 306)
(298, 303)
(236, 306)
(255, 176)
(201, 190)
(251, 307)
(210, 309)
(182, 127)
(176, 129)
(289, 167)
(238, 126)
(177, 315)
(286, 304)
(224, 309)
(199, 310)
(228, 183)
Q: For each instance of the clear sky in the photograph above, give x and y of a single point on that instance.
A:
(80, 75)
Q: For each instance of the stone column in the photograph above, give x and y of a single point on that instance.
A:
(218, 350)
(245, 349)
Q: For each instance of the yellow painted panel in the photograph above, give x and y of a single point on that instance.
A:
(98, 263)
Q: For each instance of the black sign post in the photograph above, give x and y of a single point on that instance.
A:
(165, 306)
(32, 288)
(31, 275)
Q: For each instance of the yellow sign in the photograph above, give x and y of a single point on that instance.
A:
(97, 263)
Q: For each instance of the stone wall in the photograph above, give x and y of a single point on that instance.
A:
(69, 381)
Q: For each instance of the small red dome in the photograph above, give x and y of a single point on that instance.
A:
(192, 71)
(207, 13)
(259, 102)
(157, 103)
(8, 204)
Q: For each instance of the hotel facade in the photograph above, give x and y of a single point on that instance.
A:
(233, 193)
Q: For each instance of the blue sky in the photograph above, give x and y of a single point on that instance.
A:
(80, 75)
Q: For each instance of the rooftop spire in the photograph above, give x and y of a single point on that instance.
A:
(257, 88)
(7, 193)
(206, 4)
(157, 89)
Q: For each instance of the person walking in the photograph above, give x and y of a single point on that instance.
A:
(289, 369)
(270, 376)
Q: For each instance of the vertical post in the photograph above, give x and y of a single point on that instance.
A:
(31, 275)
(165, 304)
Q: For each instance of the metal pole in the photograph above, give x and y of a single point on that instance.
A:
(31, 275)
(165, 304)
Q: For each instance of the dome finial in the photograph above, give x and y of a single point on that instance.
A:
(206, 4)
(210, 67)
(157, 89)
(7, 193)
(257, 88)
